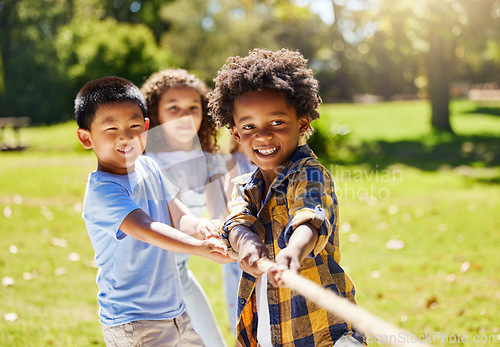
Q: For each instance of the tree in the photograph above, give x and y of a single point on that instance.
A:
(32, 86)
(48, 52)
(204, 34)
(437, 31)
(90, 49)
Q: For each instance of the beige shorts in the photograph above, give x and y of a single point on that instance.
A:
(169, 332)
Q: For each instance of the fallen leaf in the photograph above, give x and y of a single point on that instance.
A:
(60, 271)
(7, 212)
(28, 276)
(11, 317)
(13, 249)
(7, 281)
(353, 238)
(432, 302)
(74, 256)
(465, 267)
(58, 242)
(394, 244)
(393, 209)
(345, 228)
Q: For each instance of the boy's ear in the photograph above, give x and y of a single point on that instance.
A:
(235, 134)
(146, 124)
(304, 125)
(84, 138)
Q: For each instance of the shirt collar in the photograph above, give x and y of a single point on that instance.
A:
(301, 155)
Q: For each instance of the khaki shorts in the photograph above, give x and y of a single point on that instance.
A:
(169, 332)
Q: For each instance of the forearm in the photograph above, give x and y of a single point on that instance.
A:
(303, 240)
(250, 249)
(240, 235)
(140, 226)
(183, 219)
(188, 225)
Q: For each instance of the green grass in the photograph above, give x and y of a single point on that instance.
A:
(396, 181)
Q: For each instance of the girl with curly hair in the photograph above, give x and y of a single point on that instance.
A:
(183, 141)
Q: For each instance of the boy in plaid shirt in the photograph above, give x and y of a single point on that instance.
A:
(286, 210)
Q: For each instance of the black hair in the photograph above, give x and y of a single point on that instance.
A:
(102, 92)
(284, 71)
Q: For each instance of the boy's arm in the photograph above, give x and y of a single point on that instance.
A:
(249, 247)
(315, 203)
(141, 226)
(301, 244)
(313, 219)
(185, 221)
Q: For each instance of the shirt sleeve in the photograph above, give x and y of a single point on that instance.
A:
(242, 212)
(312, 200)
(109, 203)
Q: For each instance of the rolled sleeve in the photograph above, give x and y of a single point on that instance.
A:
(313, 203)
(241, 213)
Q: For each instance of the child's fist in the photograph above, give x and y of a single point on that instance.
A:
(206, 229)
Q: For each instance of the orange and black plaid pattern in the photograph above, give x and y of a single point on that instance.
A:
(302, 193)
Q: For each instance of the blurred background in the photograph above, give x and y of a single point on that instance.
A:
(360, 50)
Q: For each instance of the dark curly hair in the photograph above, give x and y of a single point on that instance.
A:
(284, 71)
(158, 83)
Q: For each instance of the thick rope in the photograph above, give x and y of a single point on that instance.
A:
(360, 318)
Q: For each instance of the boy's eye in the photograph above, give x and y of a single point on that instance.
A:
(112, 128)
(247, 127)
(277, 122)
(173, 108)
(135, 125)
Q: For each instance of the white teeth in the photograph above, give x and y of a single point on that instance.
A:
(126, 150)
(267, 151)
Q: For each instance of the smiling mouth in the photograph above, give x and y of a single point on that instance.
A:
(266, 151)
(126, 150)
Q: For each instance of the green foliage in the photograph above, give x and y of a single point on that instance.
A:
(381, 47)
(32, 85)
(130, 52)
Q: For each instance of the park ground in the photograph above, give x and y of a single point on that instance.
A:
(419, 226)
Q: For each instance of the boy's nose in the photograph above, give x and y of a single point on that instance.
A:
(263, 134)
(127, 134)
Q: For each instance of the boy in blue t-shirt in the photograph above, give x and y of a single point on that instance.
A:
(128, 209)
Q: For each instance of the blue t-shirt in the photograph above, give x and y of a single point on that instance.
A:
(136, 280)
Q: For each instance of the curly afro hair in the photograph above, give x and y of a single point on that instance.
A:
(284, 71)
(158, 83)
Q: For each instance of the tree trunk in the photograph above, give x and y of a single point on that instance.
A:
(343, 79)
(439, 81)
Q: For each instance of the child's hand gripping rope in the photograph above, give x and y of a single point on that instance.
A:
(360, 318)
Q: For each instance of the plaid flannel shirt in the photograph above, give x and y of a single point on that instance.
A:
(302, 193)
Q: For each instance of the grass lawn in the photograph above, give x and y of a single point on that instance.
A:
(419, 227)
